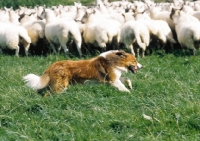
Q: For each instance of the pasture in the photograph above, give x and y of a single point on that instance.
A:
(166, 89)
(164, 103)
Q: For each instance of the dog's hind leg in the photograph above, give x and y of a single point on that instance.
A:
(126, 81)
(58, 85)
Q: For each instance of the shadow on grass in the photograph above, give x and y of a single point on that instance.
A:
(118, 127)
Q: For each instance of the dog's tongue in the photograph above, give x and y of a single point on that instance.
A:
(133, 69)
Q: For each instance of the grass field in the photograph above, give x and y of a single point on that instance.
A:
(167, 89)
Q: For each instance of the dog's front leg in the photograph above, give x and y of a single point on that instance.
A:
(118, 84)
(126, 81)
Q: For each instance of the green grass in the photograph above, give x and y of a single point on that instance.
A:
(167, 89)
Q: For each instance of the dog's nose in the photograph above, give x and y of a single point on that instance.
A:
(139, 65)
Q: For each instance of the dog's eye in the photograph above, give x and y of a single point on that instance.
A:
(134, 62)
(121, 54)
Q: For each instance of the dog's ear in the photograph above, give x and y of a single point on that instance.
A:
(121, 53)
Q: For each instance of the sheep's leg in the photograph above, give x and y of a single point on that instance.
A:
(194, 51)
(118, 84)
(171, 39)
(138, 52)
(115, 43)
(143, 53)
(53, 47)
(197, 46)
(131, 48)
(103, 49)
(126, 81)
(26, 48)
(116, 46)
(102, 45)
(59, 49)
(66, 51)
(17, 51)
(171, 46)
(190, 44)
(78, 46)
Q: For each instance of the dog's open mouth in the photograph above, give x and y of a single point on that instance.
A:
(133, 69)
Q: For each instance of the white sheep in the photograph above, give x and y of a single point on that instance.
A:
(13, 17)
(153, 26)
(12, 35)
(112, 13)
(134, 31)
(158, 28)
(59, 31)
(100, 31)
(122, 3)
(157, 14)
(4, 15)
(34, 27)
(196, 6)
(167, 32)
(189, 10)
(101, 7)
(187, 29)
(23, 18)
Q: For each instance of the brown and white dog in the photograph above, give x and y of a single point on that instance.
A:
(106, 68)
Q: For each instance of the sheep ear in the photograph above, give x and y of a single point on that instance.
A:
(172, 13)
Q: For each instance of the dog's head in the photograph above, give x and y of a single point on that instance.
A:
(122, 60)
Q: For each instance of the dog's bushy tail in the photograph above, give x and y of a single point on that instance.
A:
(37, 82)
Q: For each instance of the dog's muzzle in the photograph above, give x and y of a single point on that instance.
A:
(133, 69)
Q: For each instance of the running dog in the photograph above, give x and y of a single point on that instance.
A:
(105, 68)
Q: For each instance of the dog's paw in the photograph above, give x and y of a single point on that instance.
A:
(47, 94)
(129, 84)
(125, 90)
(126, 81)
(130, 87)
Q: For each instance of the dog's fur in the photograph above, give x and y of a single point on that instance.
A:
(106, 68)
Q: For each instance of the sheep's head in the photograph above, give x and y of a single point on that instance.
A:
(21, 16)
(87, 16)
(175, 15)
(139, 7)
(79, 14)
(42, 15)
(175, 11)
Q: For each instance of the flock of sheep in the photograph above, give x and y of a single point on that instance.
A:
(106, 24)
